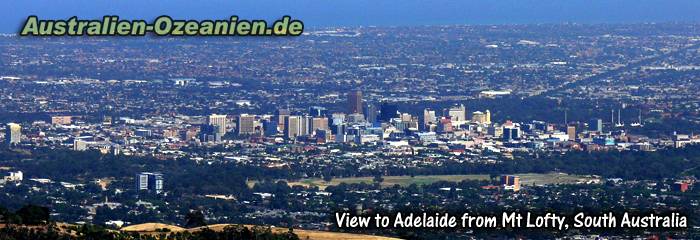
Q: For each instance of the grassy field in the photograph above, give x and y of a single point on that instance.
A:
(525, 179)
(151, 229)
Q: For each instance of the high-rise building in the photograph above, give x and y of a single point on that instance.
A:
(488, 117)
(338, 118)
(292, 127)
(495, 131)
(355, 118)
(316, 111)
(305, 129)
(371, 113)
(219, 121)
(596, 125)
(445, 124)
(388, 111)
(571, 132)
(429, 118)
(245, 124)
(280, 116)
(479, 117)
(355, 102)
(270, 128)
(13, 133)
(319, 123)
(208, 133)
(457, 113)
(510, 132)
(510, 182)
(149, 181)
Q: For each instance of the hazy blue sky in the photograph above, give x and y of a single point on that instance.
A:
(364, 12)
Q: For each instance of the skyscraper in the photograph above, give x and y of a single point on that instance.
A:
(305, 128)
(388, 111)
(428, 118)
(293, 127)
(479, 117)
(488, 117)
(571, 131)
(13, 133)
(280, 116)
(317, 111)
(218, 121)
(245, 124)
(355, 102)
(457, 113)
(595, 124)
(319, 123)
(371, 112)
(208, 133)
(510, 132)
(270, 128)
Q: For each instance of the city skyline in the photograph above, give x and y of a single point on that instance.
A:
(134, 137)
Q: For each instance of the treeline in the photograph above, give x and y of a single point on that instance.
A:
(655, 165)
(28, 214)
(182, 176)
(33, 222)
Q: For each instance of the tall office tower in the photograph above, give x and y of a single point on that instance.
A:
(319, 123)
(355, 118)
(355, 102)
(270, 128)
(388, 111)
(13, 133)
(445, 124)
(571, 131)
(149, 181)
(488, 117)
(292, 127)
(317, 111)
(595, 124)
(245, 124)
(219, 121)
(371, 112)
(510, 132)
(479, 117)
(280, 116)
(209, 133)
(337, 118)
(340, 131)
(495, 131)
(429, 118)
(457, 113)
(305, 126)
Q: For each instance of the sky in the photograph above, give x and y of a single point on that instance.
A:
(325, 13)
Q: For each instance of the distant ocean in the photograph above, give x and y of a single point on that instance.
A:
(323, 13)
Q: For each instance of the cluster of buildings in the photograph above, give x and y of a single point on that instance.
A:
(379, 125)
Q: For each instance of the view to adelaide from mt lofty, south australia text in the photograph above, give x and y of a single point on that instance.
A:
(349, 119)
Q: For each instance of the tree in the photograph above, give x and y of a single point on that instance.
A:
(32, 214)
(327, 178)
(378, 179)
(195, 219)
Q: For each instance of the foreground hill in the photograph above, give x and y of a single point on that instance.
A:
(159, 228)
